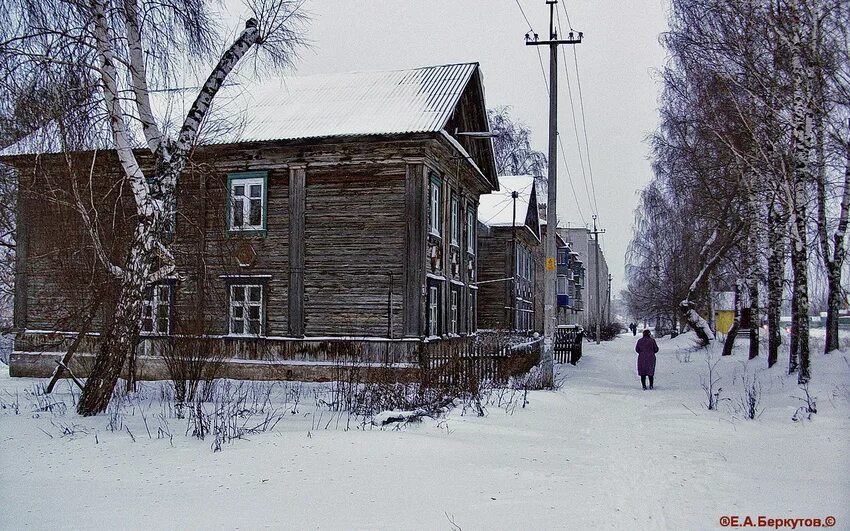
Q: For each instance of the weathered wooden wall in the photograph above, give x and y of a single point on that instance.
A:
(354, 237)
(58, 273)
(495, 264)
(354, 234)
(497, 300)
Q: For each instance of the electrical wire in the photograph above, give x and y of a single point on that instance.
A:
(584, 126)
(507, 201)
(587, 189)
(564, 7)
(581, 101)
(521, 10)
(560, 142)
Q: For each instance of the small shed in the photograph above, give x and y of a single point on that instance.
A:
(724, 311)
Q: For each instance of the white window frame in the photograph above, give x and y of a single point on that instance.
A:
(471, 325)
(454, 295)
(471, 215)
(433, 310)
(436, 208)
(244, 306)
(455, 215)
(247, 183)
(151, 306)
(562, 285)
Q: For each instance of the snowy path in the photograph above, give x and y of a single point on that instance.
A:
(599, 453)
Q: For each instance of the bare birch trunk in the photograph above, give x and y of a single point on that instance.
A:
(120, 342)
(794, 338)
(836, 263)
(801, 297)
(729, 344)
(754, 268)
(775, 280)
(149, 243)
(755, 318)
(802, 117)
(687, 307)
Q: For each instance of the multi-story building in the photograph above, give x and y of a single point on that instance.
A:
(589, 287)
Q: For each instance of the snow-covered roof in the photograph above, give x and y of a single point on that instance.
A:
(419, 100)
(355, 103)
(496, 209)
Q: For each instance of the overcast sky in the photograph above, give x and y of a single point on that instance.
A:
(616, 63)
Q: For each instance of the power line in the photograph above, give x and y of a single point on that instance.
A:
(570, 24)
(584, 126)
(581, 102)
(563, 155)
(506, 201)
(521, 10)
(587, 189)
(543, 71)
(560, 141)
(570, 180)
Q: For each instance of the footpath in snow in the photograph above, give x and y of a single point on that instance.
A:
(599, 453)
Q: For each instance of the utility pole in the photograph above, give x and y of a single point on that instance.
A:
(596, 233)
(549, 278)
(512, 316)
(610, 278)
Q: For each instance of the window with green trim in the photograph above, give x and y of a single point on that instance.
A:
(247, 206)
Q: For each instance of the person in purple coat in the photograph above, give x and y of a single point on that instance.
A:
(646, 348)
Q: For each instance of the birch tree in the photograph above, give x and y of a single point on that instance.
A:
(512, 146)
(117, 48)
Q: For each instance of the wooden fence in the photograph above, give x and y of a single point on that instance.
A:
(568, 342)
(466, 362)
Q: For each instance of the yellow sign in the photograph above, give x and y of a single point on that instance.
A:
(550, 264)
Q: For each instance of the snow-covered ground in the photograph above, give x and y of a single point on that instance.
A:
(600, 453)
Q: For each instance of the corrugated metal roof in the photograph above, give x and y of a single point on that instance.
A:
(357, 103)
(419, 100)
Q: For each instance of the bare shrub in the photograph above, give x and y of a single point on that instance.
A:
(45, 403)
(234, 411)
(192, 361)
(809, 407)
(710, 383)
(11, 402)
(750, 398)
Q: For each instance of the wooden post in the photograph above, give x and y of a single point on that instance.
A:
(413, 276)
(297, 201)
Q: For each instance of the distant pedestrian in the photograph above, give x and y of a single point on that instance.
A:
(646, 348)
(633, 328)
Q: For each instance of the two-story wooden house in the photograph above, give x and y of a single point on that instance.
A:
(344, 209)
(509, 243)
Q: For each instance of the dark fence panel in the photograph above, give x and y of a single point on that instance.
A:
(467, 362)
(568, 342)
